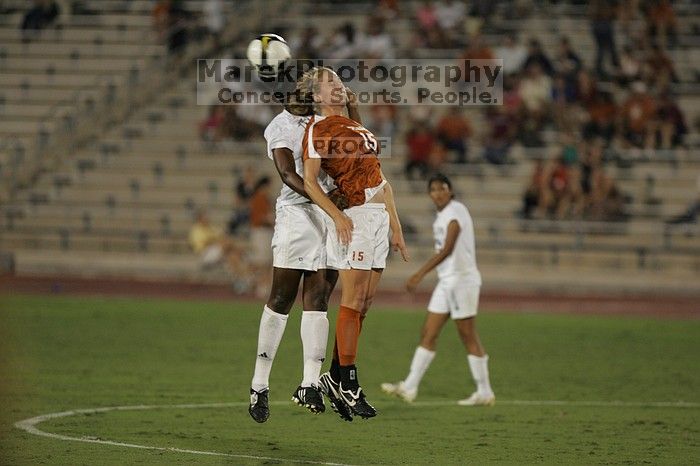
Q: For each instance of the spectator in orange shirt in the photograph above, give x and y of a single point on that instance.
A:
(261, 226)
(637, 117)
(420, 141)
(601, 112)
(454, 130)
(477, 49)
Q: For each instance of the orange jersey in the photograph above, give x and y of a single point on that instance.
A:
(348, 153)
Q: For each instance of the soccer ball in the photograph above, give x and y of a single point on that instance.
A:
(268, 53)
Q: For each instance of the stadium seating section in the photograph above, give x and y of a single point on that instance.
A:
(122, 203)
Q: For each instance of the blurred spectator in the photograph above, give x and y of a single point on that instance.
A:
(454, 130)
(210, 128)
(214, 19)
(602, 112)
(261, 226)
(603, 199)
(306, 44)
(451, 15)
(612, 206)
(512, 53)
(563, 95)
(430, 30)
(41, 15)
(602, 13)
(661, 22)
(628, 14)
(587, 89)
(213, 246)
(534, 192)
(660, 70)
(631, 66)
(438, 156)
(236, 125)
(344, 42)
(484, 10)
(161, 17)
(420, 141)
(591, 167)
(570, 149)
(536, 92)
(382, 119)
(388, 9)
(671, 123)
(502, 131)
(567, 63)
(170, 21)
(561, 188)
(477, 49)
(535, 55)
(242, 193)
(637, 117)
(377, 43)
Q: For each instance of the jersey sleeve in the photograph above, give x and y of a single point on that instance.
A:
(277, 138)
(313, 143)
(457, 213)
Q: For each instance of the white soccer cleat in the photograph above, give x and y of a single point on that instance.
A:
(478, 399)
(398, 389)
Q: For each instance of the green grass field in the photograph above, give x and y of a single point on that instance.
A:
(64, 353)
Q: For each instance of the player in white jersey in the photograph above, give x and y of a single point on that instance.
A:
(456, 295)
(298, 250)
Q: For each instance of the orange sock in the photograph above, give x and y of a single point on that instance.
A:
(335, 340)
(347, 333)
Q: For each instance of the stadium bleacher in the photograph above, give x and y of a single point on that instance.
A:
(122, 203)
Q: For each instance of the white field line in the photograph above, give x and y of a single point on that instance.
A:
(30, 425)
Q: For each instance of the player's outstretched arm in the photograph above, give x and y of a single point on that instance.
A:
(453, 230)
(343, 224)
(284, 162)
(397, 240)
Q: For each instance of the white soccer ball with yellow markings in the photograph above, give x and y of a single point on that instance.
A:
(268, 53)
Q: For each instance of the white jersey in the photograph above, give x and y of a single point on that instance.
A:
(287, 131)
(462, 261)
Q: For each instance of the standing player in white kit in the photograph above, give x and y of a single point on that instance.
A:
(299, 250)
(456, 295)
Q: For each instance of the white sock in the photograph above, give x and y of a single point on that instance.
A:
(480, 372)
(314, 338)
(420, 363)
(270, 334)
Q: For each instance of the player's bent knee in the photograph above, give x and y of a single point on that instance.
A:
(316, 303)
(367, 303)
(280, 302)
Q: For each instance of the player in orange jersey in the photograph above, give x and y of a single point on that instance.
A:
(347, 152)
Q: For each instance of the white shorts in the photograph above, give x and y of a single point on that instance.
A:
(452, 296)
(369, 245)
(299, 241)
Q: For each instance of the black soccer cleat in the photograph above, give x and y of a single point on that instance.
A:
(355, 399)
(309, 397)
(331, 389)
(259, 408)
